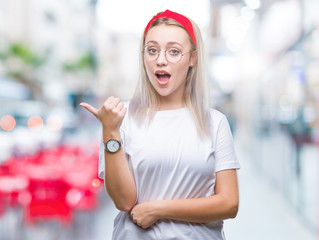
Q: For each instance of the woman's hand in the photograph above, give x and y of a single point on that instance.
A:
(111, 113)
(147, 213)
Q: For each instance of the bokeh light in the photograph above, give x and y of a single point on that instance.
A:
(35, 123)
(8, 123)
(96, 182)
(54, 123)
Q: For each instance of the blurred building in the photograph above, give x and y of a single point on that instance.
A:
(264, 60)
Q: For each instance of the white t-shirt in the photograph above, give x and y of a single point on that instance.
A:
(170, 161)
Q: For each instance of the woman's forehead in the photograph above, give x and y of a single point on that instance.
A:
(167, 34)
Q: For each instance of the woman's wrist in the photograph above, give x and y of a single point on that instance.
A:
(110, 133)
(161, 209)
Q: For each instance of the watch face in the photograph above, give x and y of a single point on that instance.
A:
(113, 145)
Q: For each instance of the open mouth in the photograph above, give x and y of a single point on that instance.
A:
(162, 78)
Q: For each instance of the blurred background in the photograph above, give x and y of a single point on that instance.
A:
(263, 68)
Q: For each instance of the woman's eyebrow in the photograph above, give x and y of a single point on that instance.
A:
(175, 43)
(152, 41)
(169, 43)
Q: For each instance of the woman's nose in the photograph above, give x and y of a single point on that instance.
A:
(161, 58)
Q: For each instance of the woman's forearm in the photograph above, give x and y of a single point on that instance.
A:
(197, 210)
(222, 205)
(200, 210)
(119, 181)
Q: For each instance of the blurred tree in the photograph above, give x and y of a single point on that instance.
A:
(82, 69)
(21, 64)
(86, 62)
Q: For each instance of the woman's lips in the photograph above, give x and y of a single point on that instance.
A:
(162, 78)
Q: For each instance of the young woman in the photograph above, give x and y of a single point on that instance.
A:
(168, 160)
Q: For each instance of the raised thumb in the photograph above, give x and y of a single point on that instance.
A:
(91, 109)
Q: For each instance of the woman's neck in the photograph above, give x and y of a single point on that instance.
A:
(170, 104)
(170, 107)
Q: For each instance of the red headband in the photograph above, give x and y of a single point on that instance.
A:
(184, 21)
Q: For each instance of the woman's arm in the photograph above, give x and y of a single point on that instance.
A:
(222, 205)
(119, 181)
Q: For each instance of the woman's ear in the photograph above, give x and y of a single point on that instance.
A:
(193, 59)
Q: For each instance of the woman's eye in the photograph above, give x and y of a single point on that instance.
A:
(152, 51)
(174, 52)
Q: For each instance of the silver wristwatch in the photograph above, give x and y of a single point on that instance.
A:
(112, 145)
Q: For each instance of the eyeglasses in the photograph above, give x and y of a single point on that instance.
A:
(173, 55)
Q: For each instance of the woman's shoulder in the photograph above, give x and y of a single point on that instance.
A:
(216, 115)
(219, 121)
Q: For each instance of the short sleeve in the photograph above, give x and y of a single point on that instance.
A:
(225, 154)
(101, 160)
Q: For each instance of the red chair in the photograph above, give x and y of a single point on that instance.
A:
(48, 202)
(85, 186)
(11, 188)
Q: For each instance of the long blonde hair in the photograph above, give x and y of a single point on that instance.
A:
(144, 102)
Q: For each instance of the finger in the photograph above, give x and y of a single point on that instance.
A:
(91, 109)
(115, 102)
(123, 111)
(109, 101)
(119, 106)
(134, 219)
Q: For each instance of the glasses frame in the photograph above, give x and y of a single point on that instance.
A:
(159, 51)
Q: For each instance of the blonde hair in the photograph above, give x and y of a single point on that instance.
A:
(145, 102)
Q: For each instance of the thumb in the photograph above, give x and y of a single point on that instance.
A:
(91, 109)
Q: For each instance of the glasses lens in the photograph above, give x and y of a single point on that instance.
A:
(150, 53)
(173, 55)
